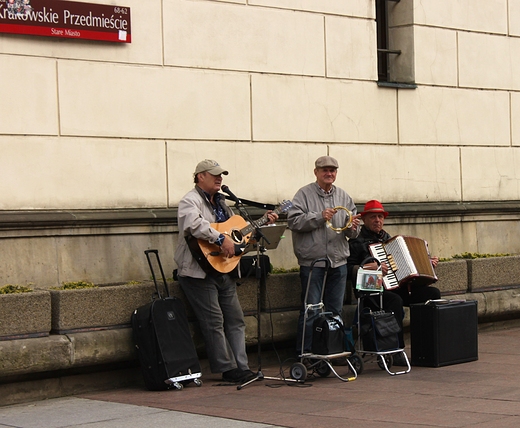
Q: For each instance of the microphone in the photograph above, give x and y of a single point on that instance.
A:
(225, 189)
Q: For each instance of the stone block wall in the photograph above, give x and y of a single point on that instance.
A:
(92, 326)
(25, 314)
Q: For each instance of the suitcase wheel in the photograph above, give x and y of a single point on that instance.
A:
(323, 369)
(388, 359)
(197, 382)
(299, 371)
(178, 385)
(357, 363)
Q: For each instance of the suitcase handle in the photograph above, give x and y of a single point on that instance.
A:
(369, 260)
(165, 284)
(323, 260)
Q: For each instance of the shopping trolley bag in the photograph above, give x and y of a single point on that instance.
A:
(328, 335)
(379, 330)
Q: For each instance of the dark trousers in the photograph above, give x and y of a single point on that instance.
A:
(417, 294)
(394, 300)
(221, 319)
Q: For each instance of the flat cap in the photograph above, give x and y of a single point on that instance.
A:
(326, 161)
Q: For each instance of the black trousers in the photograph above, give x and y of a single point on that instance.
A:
(417, 294)
(394, 300)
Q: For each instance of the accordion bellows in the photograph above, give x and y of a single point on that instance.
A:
(408, 259)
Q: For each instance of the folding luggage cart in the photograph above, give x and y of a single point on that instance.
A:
(320, 364)
(368, 335)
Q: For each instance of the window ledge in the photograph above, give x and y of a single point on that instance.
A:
(397, 85)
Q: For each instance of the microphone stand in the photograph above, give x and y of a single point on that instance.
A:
(260, 273)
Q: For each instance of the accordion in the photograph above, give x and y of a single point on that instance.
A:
(408, 261)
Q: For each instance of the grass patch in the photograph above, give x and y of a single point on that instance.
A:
(282, 270)
(470, 256)
(75, 285)
(12, 289)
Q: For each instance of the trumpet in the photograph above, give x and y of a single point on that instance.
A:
(348, 221)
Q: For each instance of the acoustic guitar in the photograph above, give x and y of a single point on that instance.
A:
(240, 231)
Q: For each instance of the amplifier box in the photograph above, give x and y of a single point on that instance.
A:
(444, 332)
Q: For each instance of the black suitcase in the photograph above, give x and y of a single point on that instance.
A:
(161, 335)
(444, 332)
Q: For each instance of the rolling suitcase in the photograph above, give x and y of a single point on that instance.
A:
(162, 338)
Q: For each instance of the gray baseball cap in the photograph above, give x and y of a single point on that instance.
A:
(211, 166)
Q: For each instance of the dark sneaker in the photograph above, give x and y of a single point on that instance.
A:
(399, 360)
(247, 376)
(238, 375)
(234, 375)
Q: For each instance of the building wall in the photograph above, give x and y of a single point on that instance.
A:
(264, 87)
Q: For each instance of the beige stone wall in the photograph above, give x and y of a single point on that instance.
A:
(265, 87)
(272, 84)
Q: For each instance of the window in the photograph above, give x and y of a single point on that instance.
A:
(395, 67)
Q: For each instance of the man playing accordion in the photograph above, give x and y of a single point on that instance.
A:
(372, 232)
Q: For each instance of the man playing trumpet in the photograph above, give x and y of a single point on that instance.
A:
(321, 219)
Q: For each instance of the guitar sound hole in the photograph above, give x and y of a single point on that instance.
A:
(236, 236)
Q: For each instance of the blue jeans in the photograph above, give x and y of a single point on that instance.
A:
(333, 297)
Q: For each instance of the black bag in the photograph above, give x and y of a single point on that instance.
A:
(379, 331)
(162, 339)
(248, 266)
(328, 335)
(164, 345)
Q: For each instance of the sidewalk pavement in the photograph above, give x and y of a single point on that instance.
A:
(473, 394)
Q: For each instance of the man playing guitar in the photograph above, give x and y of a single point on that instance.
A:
(213, 295)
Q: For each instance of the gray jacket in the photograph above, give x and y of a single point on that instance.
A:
(311, 238)
(194, 217)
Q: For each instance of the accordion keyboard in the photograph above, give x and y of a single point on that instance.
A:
(390, 280)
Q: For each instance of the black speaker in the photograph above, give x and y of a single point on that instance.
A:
(444, 332)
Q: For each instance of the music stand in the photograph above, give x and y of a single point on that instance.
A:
(267, 237)
(272, 235)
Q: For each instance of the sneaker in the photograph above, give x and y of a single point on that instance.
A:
(247, 376)
(238, 375)
(399, 360)
(234, 375)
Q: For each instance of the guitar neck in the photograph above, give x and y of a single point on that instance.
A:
(258, 223)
